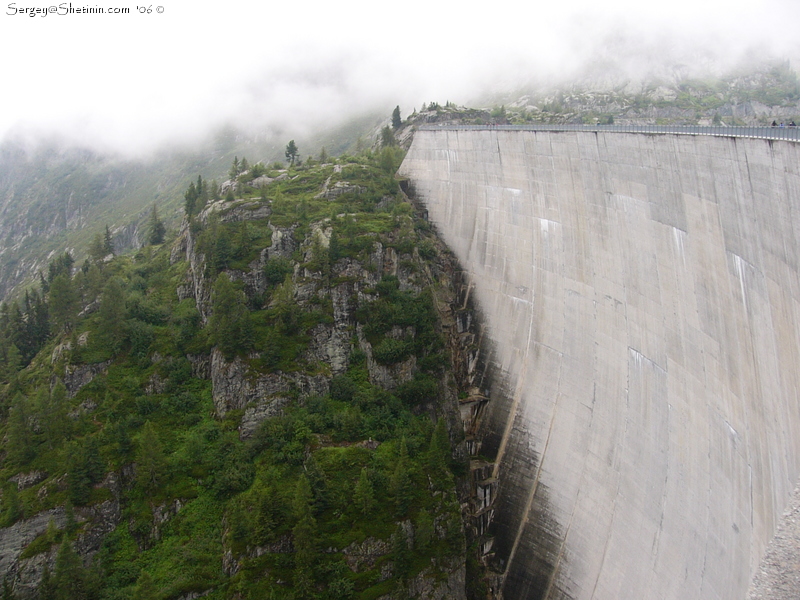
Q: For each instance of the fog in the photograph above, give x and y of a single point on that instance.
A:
(133, 82)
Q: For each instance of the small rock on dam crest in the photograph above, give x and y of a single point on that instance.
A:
(642, 293)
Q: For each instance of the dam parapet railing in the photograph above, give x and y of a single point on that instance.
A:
(790, 133)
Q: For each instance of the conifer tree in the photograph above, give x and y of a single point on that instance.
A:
(151, 464)
(86, 467)
(387, 137)
(401, 553)
(96, 250)
(11, 360)
(364, 494)
(190, 200)
(108, 242)
(20, 448)
(305, 539)
(46, 589)
(111, 326)
(156, 228)
(203, 193)
(58, 427)
(291, 152)
(12, 506)
(146, 588)
(70, 577)
(222, 250)
(229, 324)
(396, 119)
(63, 302)
(424, 530)
(401, 483)
(241, 241)
(439, 449)
(266, 516)
(334, 249)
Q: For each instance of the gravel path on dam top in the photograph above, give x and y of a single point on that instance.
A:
(778, 576)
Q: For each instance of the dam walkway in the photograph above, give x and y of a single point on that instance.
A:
(791, 133)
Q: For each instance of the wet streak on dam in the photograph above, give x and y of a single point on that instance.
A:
(642, 295)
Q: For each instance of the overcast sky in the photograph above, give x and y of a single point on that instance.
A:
(134, 81)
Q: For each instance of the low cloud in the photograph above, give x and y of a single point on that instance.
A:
(131, 83)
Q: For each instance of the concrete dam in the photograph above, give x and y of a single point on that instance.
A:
(641, 296)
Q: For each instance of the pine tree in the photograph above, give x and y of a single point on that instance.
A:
(86, 467)
(222, 250)
(364, 494)
(334, 249)
(266, 516)
(235, 169)
(305, 539)
(46, 589)
(151, 464)
(229, 324)
(424, 530)
(70, 577)
(156, 228)
(401, 483)
(303, 497)
(108, 242)
(96, 250)
(291, 152)
(11, 361)
(241, 241)
(190, 200)
(12, 506)
(146, 588)
(63, 302)
(20, 448)
(397, 121)
(111, 326)
(387, 137)
(8, 592)
(439, 450)
(323, 155)
(214, 190)
(401, 553)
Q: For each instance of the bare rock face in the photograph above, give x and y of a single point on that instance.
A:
(332, 192)
(283, 242)
(386, 376)
(162, 514)
(201, 365)
(94, 522)
(100, 519)
(26, 480)
(14, 539)
(235, 388)
(75, 377)
(246, 211)
(363, 556)
(428, 586)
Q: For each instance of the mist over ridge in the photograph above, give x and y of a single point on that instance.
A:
(276, 68)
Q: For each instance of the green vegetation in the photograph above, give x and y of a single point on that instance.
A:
(101, 392)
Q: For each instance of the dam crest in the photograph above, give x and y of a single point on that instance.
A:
(642, 294)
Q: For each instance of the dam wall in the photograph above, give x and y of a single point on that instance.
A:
(642, 296)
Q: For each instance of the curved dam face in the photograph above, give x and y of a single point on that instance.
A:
(642, 295)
